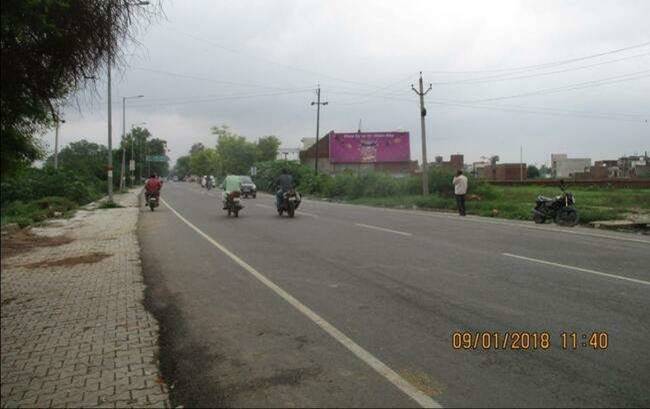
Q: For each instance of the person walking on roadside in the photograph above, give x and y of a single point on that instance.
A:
(460, 189)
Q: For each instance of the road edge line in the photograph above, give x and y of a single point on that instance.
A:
(382, 369)
(584, 270)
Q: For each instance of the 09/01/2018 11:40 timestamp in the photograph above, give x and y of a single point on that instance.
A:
(528, 341)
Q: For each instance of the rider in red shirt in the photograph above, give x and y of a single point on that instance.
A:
(152, 186)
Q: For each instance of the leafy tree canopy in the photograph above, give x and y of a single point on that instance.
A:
(49, 49)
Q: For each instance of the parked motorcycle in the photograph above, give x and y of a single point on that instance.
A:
(561, 209)
(233, 203)
(289, 203)
(152, 201)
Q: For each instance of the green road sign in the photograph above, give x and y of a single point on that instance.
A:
(157, 158)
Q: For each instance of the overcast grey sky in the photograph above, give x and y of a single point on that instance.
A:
(365, 55)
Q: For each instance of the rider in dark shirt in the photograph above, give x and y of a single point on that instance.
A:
(283, 183)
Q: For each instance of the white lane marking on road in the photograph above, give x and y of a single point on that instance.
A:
(367, 226)
(584, 270)
(478, 219)
(422, 399)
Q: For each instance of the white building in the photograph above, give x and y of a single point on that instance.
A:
(288, 154)
(562, 166)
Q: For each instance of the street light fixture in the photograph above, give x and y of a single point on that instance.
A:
(122, 175)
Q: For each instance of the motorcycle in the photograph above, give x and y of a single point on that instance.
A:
(289, 203)
(561, 209)
(152, 201)
(233, 204)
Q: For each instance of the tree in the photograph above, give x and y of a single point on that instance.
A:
(532, 172)
(156, 147)
(49, 49)
(544, 171)
(236, 154)
(182, 167)
(83, 157)
(205, 162)
(267, 148)
(196, 148)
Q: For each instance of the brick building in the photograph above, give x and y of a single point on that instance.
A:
(456, 162)
(503, 172)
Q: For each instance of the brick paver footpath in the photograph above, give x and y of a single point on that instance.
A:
(75, 332)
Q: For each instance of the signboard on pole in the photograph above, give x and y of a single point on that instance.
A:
(157, 158)
(253, 171)
(369, 147)
(131, 164)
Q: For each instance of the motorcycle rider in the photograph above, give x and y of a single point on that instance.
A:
(283, 184)
(152, 187)
(231, 183)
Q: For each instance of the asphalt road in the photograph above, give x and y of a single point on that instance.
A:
(356, 306)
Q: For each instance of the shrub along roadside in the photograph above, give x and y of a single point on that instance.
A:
(34, 195)
(511, 202)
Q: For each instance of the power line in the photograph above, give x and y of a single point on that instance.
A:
(224, 98)
(287, 66)
(198, 78)
(524, 109)
(506, 77)
(571, 87)
(544, 65)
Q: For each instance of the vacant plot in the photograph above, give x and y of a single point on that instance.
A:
(516, 202)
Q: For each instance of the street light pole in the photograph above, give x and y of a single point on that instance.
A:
(123, 170)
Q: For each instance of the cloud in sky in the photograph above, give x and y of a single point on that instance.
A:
(254, 65)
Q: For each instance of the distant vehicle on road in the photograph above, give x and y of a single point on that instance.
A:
(231, 195)
(561, 209)
(248, 188)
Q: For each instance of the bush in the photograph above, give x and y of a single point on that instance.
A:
(37, 210)
(33, 184)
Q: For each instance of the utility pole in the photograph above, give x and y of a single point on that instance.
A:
(521, 163)
(423, 113)
(109, 168)
(318, 105)
(56, 140)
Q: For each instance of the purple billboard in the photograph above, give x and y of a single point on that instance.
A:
(369, 147)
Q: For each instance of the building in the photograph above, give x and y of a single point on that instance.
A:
(503, 172)
(307, 142)
(288, 154)
(562, 166)
(456, 162)
(361, 151)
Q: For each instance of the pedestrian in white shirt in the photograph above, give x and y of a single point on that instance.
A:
(460, 189)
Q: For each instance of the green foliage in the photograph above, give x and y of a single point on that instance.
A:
(205, 162)
(83, 157)
(50, 48)
(183, 166)
(109, 205)
(33, 184)
(532, 172)
(37, 210)
(267, 148)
